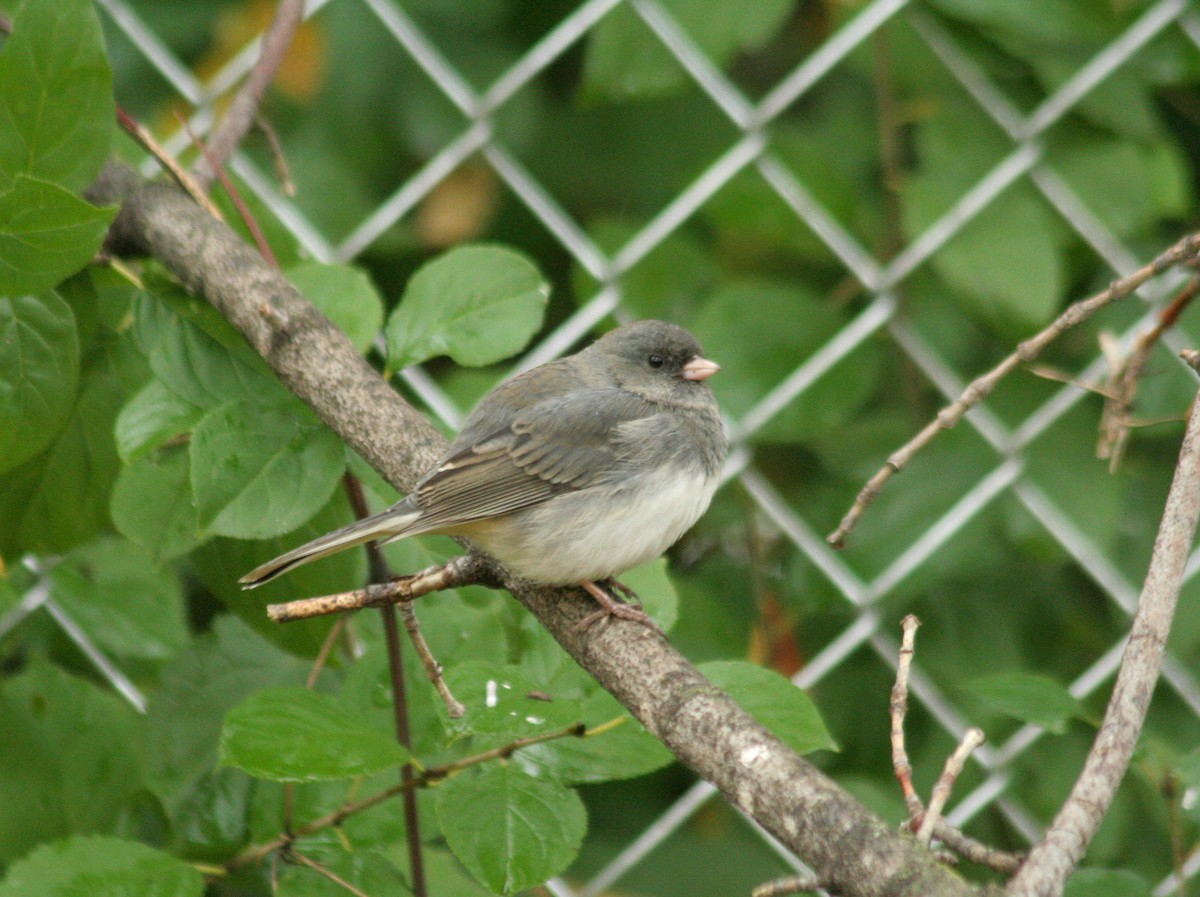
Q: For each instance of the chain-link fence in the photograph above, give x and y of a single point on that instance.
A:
(1023, 149)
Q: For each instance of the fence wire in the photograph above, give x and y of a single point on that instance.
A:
(1027, 160)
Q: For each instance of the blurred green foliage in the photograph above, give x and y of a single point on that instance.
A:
(148, 458)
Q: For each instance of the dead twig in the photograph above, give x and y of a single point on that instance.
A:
(791, 884)
(167, 161)
(971, 739)
(898, 709)
(977, 390)
(243, 110)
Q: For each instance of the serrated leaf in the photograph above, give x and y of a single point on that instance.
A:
(260, 472)
(46, 234)
(66, 751)
(83, 865)
(345, 295)
(39, 373)
(510, 830)
(196, 688)
(775, 702)
(153, 505)
(124, 603)
(298, 735)
(150, 418)
(1028, 697)
(498, 700)
(56, 103)
(477, 304)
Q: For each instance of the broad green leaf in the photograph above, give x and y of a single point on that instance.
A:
(260, 472)
(1028, 697)
(150, 418)
(46, 234)
(626, 59)
(196, 689)
(153, 505)
(83, 865)
(56, 102)
(368, 871)
(298, 735)
(621, 749)
(345, 295)
(211, 821)
(477, 304)
(740, 329)
(39, 373)
(510, 830)
(67, 755)
(500, 700)
(655, 590)
(1106, 883)
(125, 604)
(197, 354)
(775, 702)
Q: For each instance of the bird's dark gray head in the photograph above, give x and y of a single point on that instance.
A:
(656, 359)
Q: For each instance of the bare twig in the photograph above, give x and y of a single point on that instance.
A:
(976, 852)
(283, 172)
(167, 161)
(242, 112)
(898, 708)
(971, 739)
(454, 707)
(463, 570)
(1052, 861)
(977, 390)
(792, 884)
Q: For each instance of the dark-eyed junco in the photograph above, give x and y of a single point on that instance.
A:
(572, 472)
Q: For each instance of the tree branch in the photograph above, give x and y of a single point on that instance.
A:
(852, 851)
(1052, 861)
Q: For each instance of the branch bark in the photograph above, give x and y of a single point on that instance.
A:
(853, 852)
(1051, 862)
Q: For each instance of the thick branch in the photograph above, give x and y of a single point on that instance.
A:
(1052, 861)
(854, 853)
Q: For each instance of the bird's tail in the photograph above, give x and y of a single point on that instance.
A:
(395, 521)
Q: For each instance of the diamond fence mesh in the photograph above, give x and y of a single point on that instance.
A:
(1011, 472)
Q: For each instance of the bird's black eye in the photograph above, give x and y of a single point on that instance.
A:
(656, 361)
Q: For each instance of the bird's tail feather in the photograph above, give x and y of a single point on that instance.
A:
(389, 524)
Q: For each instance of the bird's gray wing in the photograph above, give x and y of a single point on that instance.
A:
(557, 445)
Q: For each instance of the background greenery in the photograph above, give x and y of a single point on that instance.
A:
(147, 457)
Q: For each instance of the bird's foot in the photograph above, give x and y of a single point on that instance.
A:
(610, 606)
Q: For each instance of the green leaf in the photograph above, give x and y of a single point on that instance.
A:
(260, 472)
(656, 591)
(56, 102)
(477, 304)
(153, 505)
(626, 59)
(197, 354)
(100, 866)
(510, 830)
(67, 756)
(499, 702)
(121, 600)
(1028, 697)
(1106, 883)
(345, 295)
(39, 373)
(621, 749)
(196, 689)
(298, 735)
(368, 871)
(46, 234)
(150, 418)
(775, 702)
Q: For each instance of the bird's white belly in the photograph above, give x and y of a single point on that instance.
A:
(569, 539)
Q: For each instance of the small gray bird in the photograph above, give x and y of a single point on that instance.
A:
(572, 472)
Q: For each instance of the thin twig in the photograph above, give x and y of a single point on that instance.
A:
(791, 884)
(1055, 857)
(975, 851)
(167, 161)
(977, 390)
(243, 110)
(898, 709)
(454, 707)
(283, 172)
(458, 571)
(971, 739)
(296, 855)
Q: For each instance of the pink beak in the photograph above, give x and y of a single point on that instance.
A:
(699, 368)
